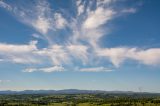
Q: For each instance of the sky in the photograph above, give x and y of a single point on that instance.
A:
(80, 44)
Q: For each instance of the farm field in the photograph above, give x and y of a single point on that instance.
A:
(79, 100)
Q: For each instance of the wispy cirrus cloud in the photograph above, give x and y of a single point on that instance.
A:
(64, 54)
(83, 31)
(60, 21)
(29, 53)
(129, 10)
(5, 5)
(38, 16)
(87, 26)
(19, 53)
(57, 53)
(93, 22)
(120, 54)
(96, 69)
(46, 69)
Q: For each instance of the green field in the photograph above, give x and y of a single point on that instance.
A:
(79, 100)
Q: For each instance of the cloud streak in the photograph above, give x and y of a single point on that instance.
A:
(5, 5)
(46, 69)
(95, 69)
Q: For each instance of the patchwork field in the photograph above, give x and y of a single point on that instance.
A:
(80, 100)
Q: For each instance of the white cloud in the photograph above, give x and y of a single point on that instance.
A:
(60, 22)
(98, 17)
(119, 55)
(104, 2)
(29, 53)
(35, 35)
(85, 30)
(78, 51)
(149, 56)
(129, 10)
(115, 55)
(19, 53)
(18, 48)
(56, 53)
(95, 69)
(42, 25)
(46, 69)
(64, 54)
(39, 18)
(88, 27)
(5, 5)
(80, 7)
(37, 14)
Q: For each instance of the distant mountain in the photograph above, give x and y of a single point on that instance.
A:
(67, 91)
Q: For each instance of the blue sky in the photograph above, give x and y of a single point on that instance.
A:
(83, 44)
